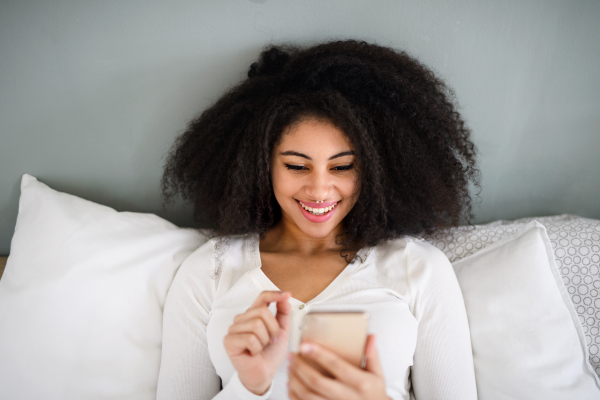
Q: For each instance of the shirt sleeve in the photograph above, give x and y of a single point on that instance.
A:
(443, 360)
(186, 371)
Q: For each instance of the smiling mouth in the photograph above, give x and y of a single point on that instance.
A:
(318, 211)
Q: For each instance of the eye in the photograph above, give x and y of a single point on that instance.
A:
(294, 167)
(344, 167)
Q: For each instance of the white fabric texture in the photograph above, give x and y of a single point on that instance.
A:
(526, 337)
(576, 244)
(81, 298)
(407, 286)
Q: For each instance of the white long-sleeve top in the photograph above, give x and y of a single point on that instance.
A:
(406, 285)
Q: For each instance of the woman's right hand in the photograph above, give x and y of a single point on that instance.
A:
(257, 342)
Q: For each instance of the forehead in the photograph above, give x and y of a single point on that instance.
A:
(315, 135)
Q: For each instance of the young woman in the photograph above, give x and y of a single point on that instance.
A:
(316, 173)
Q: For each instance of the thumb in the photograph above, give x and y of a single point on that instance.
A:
(284, 311)
(373, 364)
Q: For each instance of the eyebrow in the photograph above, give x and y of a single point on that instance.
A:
(294, 153)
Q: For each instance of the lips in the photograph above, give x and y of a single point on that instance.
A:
(317, 218)
(320, 210)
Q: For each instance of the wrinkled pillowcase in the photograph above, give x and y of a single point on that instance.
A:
(526, 337)
(576, 244)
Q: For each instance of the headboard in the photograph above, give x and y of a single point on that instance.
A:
(2, 265)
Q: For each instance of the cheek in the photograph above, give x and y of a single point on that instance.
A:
(351, 192)
(352, 188)
(282, 187)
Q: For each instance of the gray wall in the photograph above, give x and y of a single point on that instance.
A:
(92, 93)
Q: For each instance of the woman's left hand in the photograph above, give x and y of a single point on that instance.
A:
(348, 382)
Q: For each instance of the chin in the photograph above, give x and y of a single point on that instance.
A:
(318, 232)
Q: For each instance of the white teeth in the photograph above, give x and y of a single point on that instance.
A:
(318, 211)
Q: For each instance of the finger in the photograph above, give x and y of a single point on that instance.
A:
(241, 343)
(283, 307)
(315, 381)
(255, 326)
(263, 314)
(267, 297)
(296, 389)
(331, 362)
(299, 390)
(373, 364)
(284, 311)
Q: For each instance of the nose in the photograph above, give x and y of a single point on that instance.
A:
(319, 185)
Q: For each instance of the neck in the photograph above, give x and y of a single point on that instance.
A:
(286, 237)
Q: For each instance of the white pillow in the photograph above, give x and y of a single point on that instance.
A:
(82, 296)
(526, 337)
(576, 244)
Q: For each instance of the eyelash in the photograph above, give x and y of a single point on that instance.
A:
(300, 167)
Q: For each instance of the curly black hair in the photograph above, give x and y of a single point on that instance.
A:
(414, 152)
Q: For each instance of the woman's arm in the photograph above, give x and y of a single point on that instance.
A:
(186, 370)
(443, 360)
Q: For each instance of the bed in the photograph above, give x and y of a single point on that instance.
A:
(82, 293)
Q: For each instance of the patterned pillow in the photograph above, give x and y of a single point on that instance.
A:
(576, 244)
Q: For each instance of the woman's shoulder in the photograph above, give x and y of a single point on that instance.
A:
(207, 259)
(216, 245)
(409, 246)
(414, 266)
(202, 271)
(408, 256)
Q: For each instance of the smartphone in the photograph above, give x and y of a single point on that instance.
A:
(344, 333)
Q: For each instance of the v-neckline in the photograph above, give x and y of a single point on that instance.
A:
(252, 246)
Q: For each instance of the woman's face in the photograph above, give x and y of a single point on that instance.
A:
(314, 161)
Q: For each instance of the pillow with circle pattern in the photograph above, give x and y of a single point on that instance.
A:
(576, 245)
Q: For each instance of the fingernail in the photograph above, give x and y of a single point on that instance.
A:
(306, 348)
(290, 357)
(273, 340)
